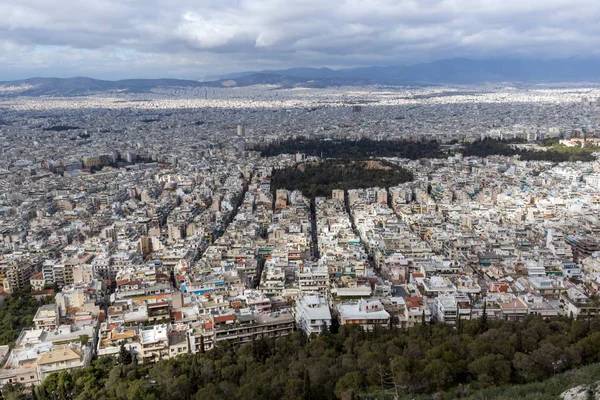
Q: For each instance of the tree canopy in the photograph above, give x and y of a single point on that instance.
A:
(349, 364)
(362, 148)
(319, 179)
(555, 152)
(17, 313)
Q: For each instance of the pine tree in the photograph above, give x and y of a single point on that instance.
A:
(459, 324)
(483, 326)
(306, 386)
(33, 393)
(124, 355)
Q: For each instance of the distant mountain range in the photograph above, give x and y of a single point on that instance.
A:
(454, 71)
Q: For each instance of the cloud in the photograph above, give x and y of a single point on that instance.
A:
(191, 38)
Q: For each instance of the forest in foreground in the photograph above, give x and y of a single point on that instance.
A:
(424, 361)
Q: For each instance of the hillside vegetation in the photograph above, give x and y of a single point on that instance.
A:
(424, 360)
(550, 388)
(17, 314)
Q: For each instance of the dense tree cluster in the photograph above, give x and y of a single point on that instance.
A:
(348, 364)
(365, 148)
(319, 179)
(353, 149)
(60, 128)
(555, 153)
(17, 313)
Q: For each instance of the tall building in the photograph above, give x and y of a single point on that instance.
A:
(145, 245)
(176, 232)
(96, 161)
(337, 194)
(16, 274)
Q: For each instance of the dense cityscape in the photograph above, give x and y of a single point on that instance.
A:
(150, 225)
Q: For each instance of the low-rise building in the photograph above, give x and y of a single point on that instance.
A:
(312, 314)
(366, 313)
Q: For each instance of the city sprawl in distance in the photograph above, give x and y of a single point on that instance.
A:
(175, 223)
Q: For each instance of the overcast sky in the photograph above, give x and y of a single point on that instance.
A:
(114, 39)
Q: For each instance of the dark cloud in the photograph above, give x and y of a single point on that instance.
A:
(191, 38)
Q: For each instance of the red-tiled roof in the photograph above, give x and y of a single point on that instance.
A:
(224, 318)
(413, 302)
(127, 282)
(516, 303)
(177, 315)
(46, 292)
(158, 304)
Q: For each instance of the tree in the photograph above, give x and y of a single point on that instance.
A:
(335, 326)
(84, 339)
(17, 313)
(306, 391)
(483, 325)
(324, 328)
(345, 364)
(492, 369)
(124, 355)
(13, 391)
(350, 383)
(459, 324)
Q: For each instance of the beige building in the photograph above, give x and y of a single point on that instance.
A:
(337, 194)
(15, 274)
(154, 341)
(37, 281)
(83, 274)
(46, 317)
(70, 299)
(60, 358)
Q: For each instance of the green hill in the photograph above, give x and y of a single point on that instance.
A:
(476, 359)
